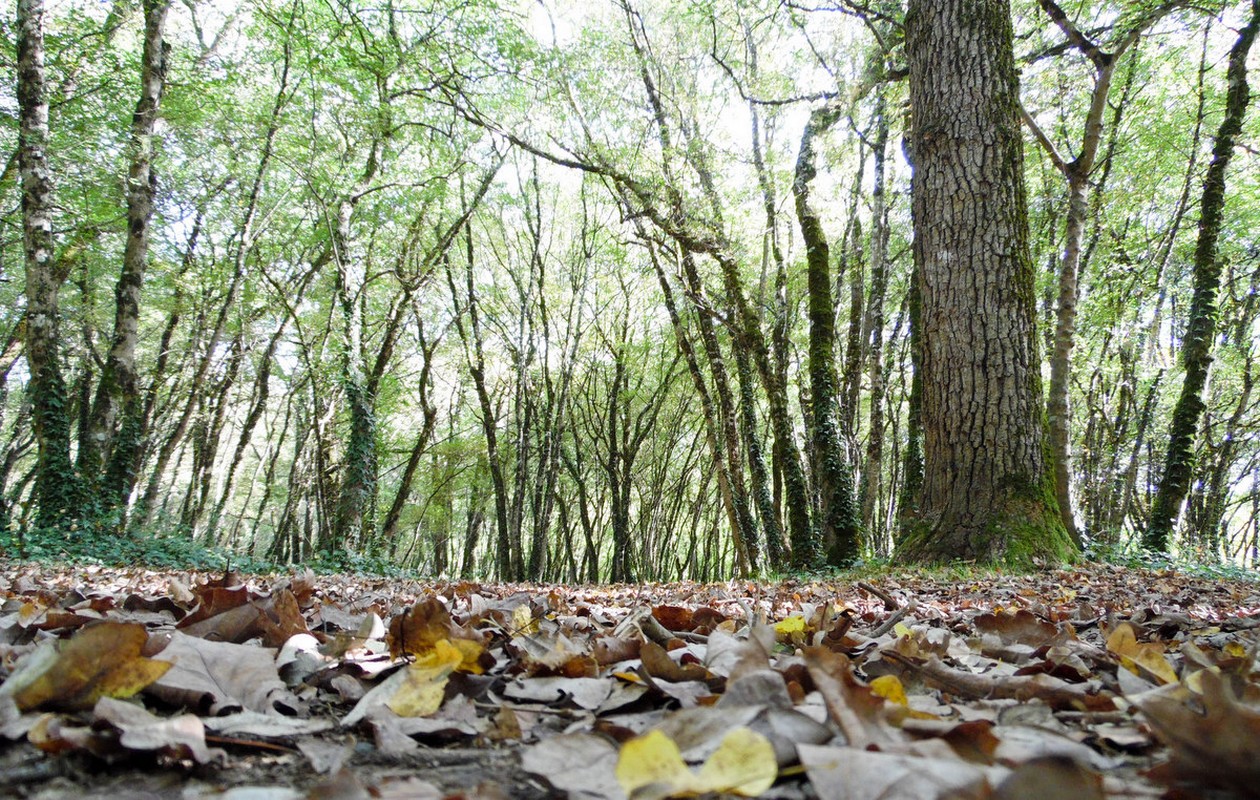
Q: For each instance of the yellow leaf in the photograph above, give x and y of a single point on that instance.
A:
(789, 626)
(1133, 654)
(743, 764)
(901, 630)
(469, 651)
(100, 660)
(652, 758)
(523, 621)
(889, 687)
(1235, 650)
(424, 684)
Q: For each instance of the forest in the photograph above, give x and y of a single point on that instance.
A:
(629, 290)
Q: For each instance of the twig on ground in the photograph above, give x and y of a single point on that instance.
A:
(892, 620)
(890, 602)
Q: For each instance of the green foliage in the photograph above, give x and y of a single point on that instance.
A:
(558, 260)
(1132, 555)
(99, 544)
(354, 563)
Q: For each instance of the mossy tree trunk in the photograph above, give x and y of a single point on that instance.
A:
(108, 456)
(1078, 173)
(988, 490)
(1196, 350)
(55, 479)
(838, 512)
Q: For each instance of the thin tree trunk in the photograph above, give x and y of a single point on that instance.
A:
(114, 431)
(1077, 173)
(389, 528)
(873, 473)
(721, 446)
(833, 476)
(1196, 351)
(475, 356)
(56, 483)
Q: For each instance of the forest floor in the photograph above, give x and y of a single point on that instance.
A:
(1090, 682)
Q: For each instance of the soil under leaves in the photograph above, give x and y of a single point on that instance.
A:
(1098, 681)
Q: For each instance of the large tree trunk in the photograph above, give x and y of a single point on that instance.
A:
(988, 491)
(1196, 351)
(55, 480)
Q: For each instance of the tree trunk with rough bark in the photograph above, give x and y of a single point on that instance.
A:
(56, 482)
(108, 455)
(988, 491)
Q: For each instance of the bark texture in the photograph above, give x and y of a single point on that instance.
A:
(55, 479)
(1196, 350)
(108, 456)
(834, 479)
(988, 491)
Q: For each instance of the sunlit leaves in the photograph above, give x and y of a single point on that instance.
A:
(651, 766)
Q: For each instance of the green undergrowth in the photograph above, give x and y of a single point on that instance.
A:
(1129, 556)
(174, 549)
(1134, 556)
(171, 550)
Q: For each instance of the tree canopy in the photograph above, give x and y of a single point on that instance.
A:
(607, 291)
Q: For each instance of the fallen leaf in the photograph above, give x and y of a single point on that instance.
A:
(1051, 779)
(273, 726)
(421, 690)
(1212, 737)
(182, 736)
(216, 677)
(651, 765)
(101, 660)
(1141, 659)
(860, 713)
(553, 760)
(849, 773)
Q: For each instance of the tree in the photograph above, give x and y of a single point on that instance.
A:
(55, 480)
(1077, 173)
(831, 467)
(988, 490)
(108, 454)
(1196, 350)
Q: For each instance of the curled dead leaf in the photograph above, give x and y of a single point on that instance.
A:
(101, 660)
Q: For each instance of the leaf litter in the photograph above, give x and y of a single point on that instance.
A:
(1091, 682)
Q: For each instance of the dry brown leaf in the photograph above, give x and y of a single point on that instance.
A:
(657, 662)
(418, 628)
(98, 661)
(1051, 779)
(674, 618)
(861, 714)
(1213, 737)
(1056, 693)
(1020, 627)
